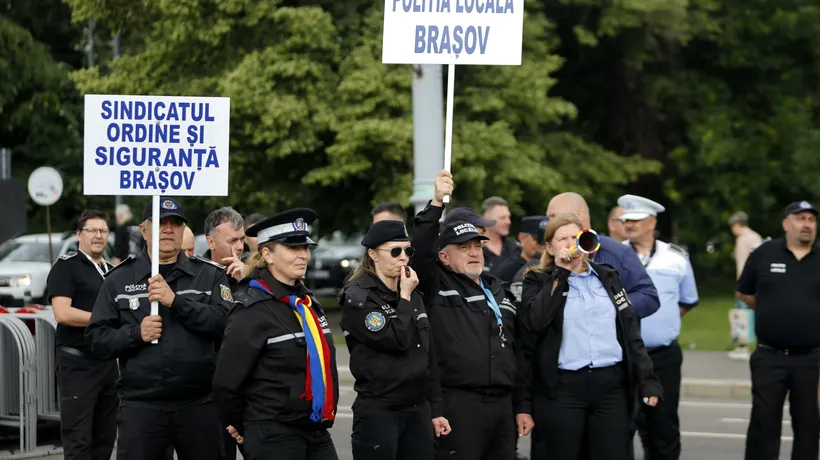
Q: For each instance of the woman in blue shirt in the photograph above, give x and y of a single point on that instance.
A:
(582, 364)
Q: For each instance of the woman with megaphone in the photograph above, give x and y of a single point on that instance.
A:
(583, 368)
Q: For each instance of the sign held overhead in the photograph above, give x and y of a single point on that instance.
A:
(472, 32)
(155, 145)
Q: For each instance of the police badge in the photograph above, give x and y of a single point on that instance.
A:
(225, 292)
(374, 322)
(134, 303)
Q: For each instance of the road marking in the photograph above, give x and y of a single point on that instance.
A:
(746, 421)
(697, 434)
(722, 405)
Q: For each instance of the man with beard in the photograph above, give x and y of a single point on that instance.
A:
(780, 282)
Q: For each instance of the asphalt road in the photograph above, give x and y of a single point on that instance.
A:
(711, 429)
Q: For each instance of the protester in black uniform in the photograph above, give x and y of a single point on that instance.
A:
(276, 383)
(164, 388)
(472, 318)
(582, 364)
(531, 237)
(388, 335)
(225, 235)
(780, 281)
(88, 392)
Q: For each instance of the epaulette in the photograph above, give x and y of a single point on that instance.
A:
(354, 295)
(68, 255)
(679, 250)
(247, 296)
(766, 240)
(209, 261)
(125, 261)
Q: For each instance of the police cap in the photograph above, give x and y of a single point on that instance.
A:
(535, 226)
(638, 207)
(167, 208)
(288, 228)
(458, 232)
(465, 214)
(798, 207)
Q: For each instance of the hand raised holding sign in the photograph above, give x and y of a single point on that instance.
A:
(443, 187)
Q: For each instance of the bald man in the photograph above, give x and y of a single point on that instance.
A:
(635, 280)
(616, 225)
(188, 241)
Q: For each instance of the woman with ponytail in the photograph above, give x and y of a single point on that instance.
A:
(276, 383)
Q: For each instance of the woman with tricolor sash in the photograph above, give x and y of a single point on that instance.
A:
(276, 382)
(397, 413)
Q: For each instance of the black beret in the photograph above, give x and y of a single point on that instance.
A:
(535, 226)
(384, 231)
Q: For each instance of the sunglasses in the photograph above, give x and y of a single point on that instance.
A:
(396, 252)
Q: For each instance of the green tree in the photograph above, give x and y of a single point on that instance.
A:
(318, 120)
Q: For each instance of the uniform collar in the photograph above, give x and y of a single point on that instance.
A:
(142, 267)
(277, 288)
(371, 281)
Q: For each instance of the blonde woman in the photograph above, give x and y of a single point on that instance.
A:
(398, 409)
(276, 384)
(583, 367)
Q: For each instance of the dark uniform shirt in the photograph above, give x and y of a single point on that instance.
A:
(261, 371)
(788, 295)
(472, 354)
(390, 347)
(178, 369)
(510, 249)
(75, 276)
(518, 279)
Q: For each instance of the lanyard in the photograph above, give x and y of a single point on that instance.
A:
(99, 270)
(494, 306)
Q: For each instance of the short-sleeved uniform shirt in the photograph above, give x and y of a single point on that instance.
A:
(671, 272)
(787, 311)
(75, 276)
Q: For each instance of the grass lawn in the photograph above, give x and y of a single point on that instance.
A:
(707, 326)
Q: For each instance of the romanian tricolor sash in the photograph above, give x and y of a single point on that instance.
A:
(318, 378)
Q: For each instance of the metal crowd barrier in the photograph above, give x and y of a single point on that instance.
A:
(45, 332)
(18, 390)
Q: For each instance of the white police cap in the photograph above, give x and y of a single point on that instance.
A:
(638, 207)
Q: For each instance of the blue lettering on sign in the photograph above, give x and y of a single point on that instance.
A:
(484, 6)
(470, 39)
(150, 111)
(161, 180)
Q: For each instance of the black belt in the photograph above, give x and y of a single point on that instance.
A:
(790, 350)
(661, 348)
(76, 352)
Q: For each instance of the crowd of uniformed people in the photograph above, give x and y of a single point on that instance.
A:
(461, 338)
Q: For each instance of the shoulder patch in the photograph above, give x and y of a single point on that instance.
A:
(375, 321)
(225, 293)
(209, 261)
(765, 240)
(126, 261)
(679, 250)
(354, 295)
(68, 255)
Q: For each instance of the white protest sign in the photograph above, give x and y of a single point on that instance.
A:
(156, 145)
(483, 32)
(477, 32)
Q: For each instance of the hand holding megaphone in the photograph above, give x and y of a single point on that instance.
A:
(586, 242)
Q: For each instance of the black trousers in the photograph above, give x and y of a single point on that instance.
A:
(147, 434)
(659, 426)
(587, 408)
(773, 375)
(88, 406)
(382, 434)
(269, 441)
(482, 426)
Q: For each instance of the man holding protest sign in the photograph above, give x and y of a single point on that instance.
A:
(165, 389)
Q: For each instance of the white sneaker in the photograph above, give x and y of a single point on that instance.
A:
(739, 354)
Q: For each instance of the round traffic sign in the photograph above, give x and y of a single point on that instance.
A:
(45, 186)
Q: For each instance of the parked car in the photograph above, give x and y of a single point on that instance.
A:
(25, 264)
(330, 264)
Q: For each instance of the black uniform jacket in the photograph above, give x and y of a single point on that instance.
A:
(262, 365)
(390, 346)
(180, 366)
(472, 353)
(542, 320)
